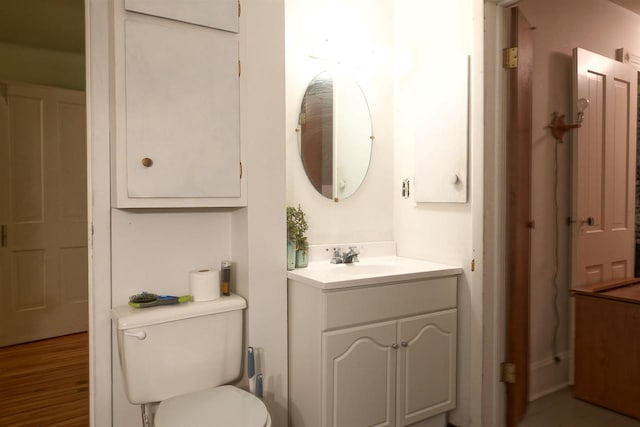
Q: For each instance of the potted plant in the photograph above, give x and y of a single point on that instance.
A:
(297, 244)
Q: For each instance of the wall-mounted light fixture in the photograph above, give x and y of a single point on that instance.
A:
(559, 127)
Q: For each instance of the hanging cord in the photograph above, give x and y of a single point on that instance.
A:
(556, 312)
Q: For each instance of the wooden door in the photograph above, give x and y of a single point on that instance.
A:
(604, 170)
(43, 259)
(182, 110)
(518, 218)
(359, 376)
(426, 366)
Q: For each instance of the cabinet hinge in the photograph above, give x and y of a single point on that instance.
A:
(240, 170)
(508, 373)
(239, 69)
(239, 8)
(510, 57)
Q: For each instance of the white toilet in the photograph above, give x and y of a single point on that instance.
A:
(179, 356)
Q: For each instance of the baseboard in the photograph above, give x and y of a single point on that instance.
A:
(547, 376)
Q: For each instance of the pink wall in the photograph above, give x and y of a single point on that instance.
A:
(560, 25)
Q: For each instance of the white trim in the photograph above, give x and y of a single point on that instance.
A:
(631, 58)
(477, 168)
(547, 376)
(99, 212)
(493, 391)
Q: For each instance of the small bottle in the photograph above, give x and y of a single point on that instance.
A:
(225, 278)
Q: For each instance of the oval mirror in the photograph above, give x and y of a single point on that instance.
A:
(335, 135)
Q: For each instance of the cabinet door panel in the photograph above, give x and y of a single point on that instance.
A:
(221, 14)
(182, 110)
(359, 376)
(426, 366)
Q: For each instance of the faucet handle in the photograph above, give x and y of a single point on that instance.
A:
(337, 256)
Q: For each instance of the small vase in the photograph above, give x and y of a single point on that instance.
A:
(302, 257)
(291, 254)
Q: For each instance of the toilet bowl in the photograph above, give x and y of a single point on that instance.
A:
(226, 406)
(181, 357)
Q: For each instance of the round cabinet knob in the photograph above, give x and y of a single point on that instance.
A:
(404, 344)
(147, 162)
(394, 346)
(454, 179)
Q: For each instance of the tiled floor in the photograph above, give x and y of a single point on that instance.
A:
(560, 409)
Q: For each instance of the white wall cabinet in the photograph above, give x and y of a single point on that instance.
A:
(176, 137)
(372, 363)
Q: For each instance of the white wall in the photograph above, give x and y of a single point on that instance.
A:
(443, 232)
(42, 66)
(154, 251)
(263, 118)
(134, 250)
(450, 233)
(360, 37)
(601, 27)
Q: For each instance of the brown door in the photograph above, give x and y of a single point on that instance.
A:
(604, 169)
(518, 217)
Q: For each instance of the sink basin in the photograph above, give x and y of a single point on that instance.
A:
(369, 271)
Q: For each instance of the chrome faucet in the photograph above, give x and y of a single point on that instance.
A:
(351, 256)
(348, 257)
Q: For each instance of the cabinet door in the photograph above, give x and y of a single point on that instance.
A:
(182, 110)
(359, 376)
(221, 14)
(426, 366)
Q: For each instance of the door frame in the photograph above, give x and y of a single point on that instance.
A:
(495, 197)
(98, 211)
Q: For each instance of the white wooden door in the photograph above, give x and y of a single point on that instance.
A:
(426, 366)
(604, 160)
(43, 207)
(182, 110)
(359, 376)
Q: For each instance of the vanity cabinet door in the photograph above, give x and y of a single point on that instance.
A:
(359, 376)
(426, 366)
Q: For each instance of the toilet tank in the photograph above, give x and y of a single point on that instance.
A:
(171, 350)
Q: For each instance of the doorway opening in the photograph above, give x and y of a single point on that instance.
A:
(43, 202)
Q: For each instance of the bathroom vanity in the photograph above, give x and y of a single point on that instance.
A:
(372, 343)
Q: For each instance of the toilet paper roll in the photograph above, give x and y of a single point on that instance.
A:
(204, 285)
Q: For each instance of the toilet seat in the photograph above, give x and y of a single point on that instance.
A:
(224, 406)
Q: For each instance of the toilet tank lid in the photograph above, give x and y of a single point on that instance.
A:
(127, 317)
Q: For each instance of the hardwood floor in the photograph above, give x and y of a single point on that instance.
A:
(45, 383)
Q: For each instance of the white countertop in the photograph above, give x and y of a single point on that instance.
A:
(369, 271)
